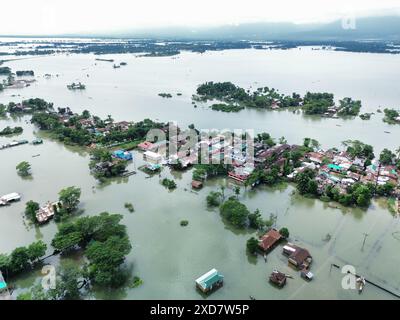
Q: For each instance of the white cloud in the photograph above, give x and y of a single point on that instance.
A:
(54, 17)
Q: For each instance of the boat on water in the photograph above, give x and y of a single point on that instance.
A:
(37, 141)
(361, 284)
(13, 144)
(8, 198)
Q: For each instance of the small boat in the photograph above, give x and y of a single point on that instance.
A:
(387, 132)
(361, 284)
(36, 155)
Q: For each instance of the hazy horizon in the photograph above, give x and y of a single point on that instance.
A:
(45, 17)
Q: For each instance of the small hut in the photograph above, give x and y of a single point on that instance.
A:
(278, 278)
(197, 184)
(210, 281)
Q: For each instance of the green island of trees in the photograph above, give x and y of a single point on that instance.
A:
(168, 183)
(261, 98)
(76, 86)
(226, 107)
(25, 73)
(23, 169)
(29, 106)
(104, 242)
(366, 116)
(317, 103)
(238, 215)
(5, 71)
(349, 107)
(10, 131)
(237, 98)
(391, 116)
(165, 95)
(129, 207)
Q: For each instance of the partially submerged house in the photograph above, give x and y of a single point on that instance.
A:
(298, 257)
(278, 278)
(47, 212)
(146, 146)
(210, 281)
(123, 155)
(197, 184)
(269, 240)
(152, 156)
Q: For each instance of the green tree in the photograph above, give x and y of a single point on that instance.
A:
(19, 260)
(69, 197)
(284, 232)
(387, 157)
(235, 212)
(214, 199)
(255, 220)
(105, 257)
(23, 168)
(36, 250)
(385, 190)
(30, 210)
(305, 182)
(252, 245)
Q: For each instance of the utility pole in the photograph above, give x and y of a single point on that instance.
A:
(365, 238)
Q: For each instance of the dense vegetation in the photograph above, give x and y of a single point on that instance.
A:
(5, 71)
(22, 258)
(169, 184)
(25, 73)
(165, 95)
(317, 103)
(104, 166)
(349, 107)
(356, 195)
(237, 98)
(72, 132)
(391, 115)
(9, 131)
(23, 168)
(30, 106)
(356, 148)
(104, 242)
(226, 107)
(233, 95)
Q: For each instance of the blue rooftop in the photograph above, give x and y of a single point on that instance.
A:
(122, 154)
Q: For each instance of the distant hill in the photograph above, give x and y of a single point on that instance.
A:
(379, 28)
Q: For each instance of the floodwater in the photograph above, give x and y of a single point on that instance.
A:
(169, 257)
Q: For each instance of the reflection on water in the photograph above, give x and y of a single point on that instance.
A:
(166, 256)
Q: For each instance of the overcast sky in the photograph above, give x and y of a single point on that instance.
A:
(74, 16)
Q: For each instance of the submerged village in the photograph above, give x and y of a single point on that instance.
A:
(350, 176)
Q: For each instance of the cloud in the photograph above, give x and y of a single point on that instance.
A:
(57, 17)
